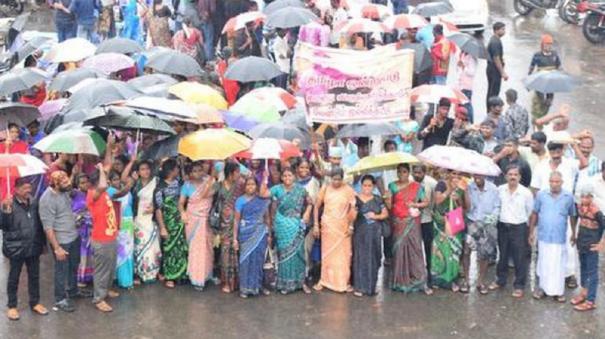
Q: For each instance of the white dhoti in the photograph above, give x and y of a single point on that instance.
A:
(551, 268)
(572, 264)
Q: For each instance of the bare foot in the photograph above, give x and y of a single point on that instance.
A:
(318, 287)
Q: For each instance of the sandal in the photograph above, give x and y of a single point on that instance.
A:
(560, 298)
(358, 294)
(243, 296)
(539, 294)
(318, 287)
(103, 307)
(306, 289)
(494, 286)
(482, 289)
(585, 306)
(169, 284)
(517, 294)
(226, 289)
(266, 291)
(571, 282)
(455, 287)
(137, 282)
(113, 294)
(429, 291)
(578, 299)
(40, 309)
(464, 288)
(349, 289)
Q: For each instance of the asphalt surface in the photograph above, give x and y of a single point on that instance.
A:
(155, 312)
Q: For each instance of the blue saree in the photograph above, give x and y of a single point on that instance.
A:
(252, 238)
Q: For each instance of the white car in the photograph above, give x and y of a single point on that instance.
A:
(469, 16)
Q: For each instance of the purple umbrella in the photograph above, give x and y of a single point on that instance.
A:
(239, 122)
(50, 108)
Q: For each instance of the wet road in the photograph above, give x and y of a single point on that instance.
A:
(155, 312)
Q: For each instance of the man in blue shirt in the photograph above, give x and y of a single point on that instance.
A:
(483, 198)
(553, 208)
(84, 11)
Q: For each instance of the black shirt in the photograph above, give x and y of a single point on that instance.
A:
(543, 61)
(494, 49)
(437, 135)
(524, 170)
(23, 236)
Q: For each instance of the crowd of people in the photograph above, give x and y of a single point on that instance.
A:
(120, 220)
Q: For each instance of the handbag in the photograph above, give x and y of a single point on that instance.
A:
(214, 217)
(269, 275)
(454, 220)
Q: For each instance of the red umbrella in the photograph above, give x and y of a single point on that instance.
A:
(16, 165)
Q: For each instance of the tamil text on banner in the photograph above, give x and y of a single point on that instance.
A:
(348, 86)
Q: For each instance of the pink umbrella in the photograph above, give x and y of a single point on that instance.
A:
(108, 62)
(50, 108)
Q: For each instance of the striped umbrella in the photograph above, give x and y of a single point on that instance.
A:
(72, 141)
(353, 26)
(240, 21)
(405, 21)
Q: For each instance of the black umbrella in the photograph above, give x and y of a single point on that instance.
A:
(279, 4)
(21, 79)
(165, 148)
(18, 113)
(551, 82)
(290, 17)
(119, 45)
(173, 62)
(368, 130)
(422, 57)
(124, 118)
(31, 46)
(429, 9)
(252, 68)
(469, 44)
(66, 80)
(279, 130)
(100, 92)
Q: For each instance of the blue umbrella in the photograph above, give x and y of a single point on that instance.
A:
(239, 122)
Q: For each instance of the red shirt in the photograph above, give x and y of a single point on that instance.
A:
(440, 54)
(104, 220)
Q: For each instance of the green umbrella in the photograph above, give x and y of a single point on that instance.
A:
(124, 118)
(74, 141)
(256, 110)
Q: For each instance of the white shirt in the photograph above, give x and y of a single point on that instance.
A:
(280, 49)
(532, 158)
(568, 168)
(428, 183)
(515, 207)
(598, 185)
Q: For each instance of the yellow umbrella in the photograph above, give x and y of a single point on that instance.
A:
(380, 162)
(212, 144)
(196, 93)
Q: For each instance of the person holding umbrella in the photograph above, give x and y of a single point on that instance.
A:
(435, 128)
(544, 60)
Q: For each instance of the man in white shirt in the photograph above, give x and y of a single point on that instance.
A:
(536, 152)
(515, 209)
(282, 53)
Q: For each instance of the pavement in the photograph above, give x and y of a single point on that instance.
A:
(155, 312)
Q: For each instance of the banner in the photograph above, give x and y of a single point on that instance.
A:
(347, 86)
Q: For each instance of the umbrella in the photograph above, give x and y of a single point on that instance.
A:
(275, 96)
(119, 45)
(368, 130)
(296, 117)
(469, 44)
(212, 144)
(251, 69)
(290, 17)
(31, 46)
(18, 113)
(381, 162)
(100, 92)
(122, 118)
(16, 165)
(150, 80)
(375, 11)
(175, 63)
(240, 21)
(459, 159)
(20, 79)
(171, 107)
(50, 108)
(68, 79)
(422, 56)
(255, 110)
(269, 148)
(449, 28)
(73, 141)
(551, 82)
(405, 21)
(353, 26)
(108, 62)
(239, 122)
(207, 114)
(429, 9)
(71, 50)
(279, 4)
(165, 148)
(281, 131)
(434, 93)
(196, 93)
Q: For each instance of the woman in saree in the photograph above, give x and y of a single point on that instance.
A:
(367, 238)
(147, 251)
(158, 27)
(291, 215)
(406, 198)
(251, 236)
(335, 229)
(84, 224)
(119, 192)
(172, 229)
(194, 205)
(228, 191)
(447, 248)
(189, 40)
